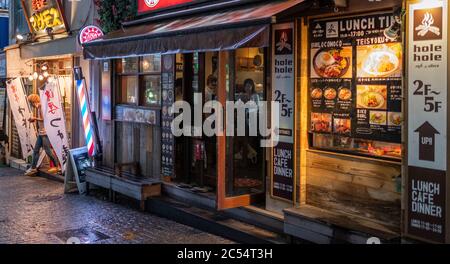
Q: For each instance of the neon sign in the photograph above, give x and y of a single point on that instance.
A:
(49, 18)
(90, 33)
(44, 17)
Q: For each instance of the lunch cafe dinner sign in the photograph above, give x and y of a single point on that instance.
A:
(427, 120)
(44, 17)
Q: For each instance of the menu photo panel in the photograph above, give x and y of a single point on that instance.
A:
(355, 84)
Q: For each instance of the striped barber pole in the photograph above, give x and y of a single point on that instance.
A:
(85, 114)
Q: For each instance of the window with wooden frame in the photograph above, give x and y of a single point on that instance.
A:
(139, 81)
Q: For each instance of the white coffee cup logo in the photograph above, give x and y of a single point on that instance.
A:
(151, 3)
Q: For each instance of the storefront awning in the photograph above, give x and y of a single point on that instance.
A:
(226, 30)
(57, 47)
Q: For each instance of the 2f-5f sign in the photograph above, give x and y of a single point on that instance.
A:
(427, 120)
(427, 86)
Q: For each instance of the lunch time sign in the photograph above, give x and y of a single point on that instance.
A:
(427, 120)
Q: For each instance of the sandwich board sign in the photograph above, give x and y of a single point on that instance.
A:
(75, 172)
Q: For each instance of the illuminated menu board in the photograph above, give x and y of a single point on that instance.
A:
(356, 78)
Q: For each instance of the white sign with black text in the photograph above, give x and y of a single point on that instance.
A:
(427, 86)
(283, 92)
(54, 120)
(22, 114)
(283, 78)
(427, 121)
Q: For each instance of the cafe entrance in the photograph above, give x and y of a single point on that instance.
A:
(196, 155)
(231, 166)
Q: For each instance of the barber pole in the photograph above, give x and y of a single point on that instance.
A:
(85, 114)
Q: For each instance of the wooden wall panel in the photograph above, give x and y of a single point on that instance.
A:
(139, 143)
(343, 183)
(106, 141)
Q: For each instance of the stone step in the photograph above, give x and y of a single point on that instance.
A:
(214, 222)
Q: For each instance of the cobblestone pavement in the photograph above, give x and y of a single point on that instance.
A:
(36, 210)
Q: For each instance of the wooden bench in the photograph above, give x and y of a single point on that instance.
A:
(127, 184)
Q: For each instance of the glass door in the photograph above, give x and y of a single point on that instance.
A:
(242, 168)
(197, 82)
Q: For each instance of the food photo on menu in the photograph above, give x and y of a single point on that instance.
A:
(330, 93)
(345, 94)
(395, 119)
(332, 62)
(321, 122)
(316, 93)
(342, 125)
(383, 60)
(377, 118)
(371, 96)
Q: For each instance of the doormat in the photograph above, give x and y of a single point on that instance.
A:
(84, 235)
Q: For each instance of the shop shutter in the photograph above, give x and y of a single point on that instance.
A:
(16, 150)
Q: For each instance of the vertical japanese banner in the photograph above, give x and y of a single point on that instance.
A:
(21, 113)
(54, 120)
(427, 120)
(283, 84)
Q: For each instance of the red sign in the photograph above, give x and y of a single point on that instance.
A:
(152, 5)
(90, 33)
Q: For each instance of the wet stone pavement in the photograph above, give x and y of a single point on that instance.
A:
(36, 210)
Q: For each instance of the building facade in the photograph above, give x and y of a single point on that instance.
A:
(359, 147)
(340, 150)
(40, 50)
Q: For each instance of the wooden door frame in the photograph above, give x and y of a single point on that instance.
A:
(224, 202)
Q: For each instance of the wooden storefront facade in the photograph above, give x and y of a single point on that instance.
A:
(347, 154)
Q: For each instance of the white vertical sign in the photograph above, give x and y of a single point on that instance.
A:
(54, 120)
(283, 92)
(283, 78)
(427, 121)
(21, 113)
(427, 85)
